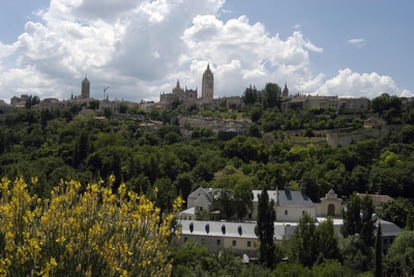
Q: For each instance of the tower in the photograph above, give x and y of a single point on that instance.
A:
(285, 92)
(207, 89)
(85, 93)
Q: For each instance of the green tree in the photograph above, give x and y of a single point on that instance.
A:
(271, 95)
(327, 242)
(243, 197)
(250, 95)
(265, 229)
(378, 253)
(351, 216)
(291, 269)
(388, 107)
(367, 221)
(401, 255)
(356, 254)
(331, 268)
(224, 203)
(358, 218)
(304, 242)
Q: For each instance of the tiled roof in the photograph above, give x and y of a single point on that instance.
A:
(294, 198)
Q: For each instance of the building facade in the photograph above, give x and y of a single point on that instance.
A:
(187, 97)
(86, 86)
(207, 92)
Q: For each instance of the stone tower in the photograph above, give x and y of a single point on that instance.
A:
(207, 90)
(285, 92)
(85, 93)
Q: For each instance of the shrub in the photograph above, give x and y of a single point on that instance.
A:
(91, 233)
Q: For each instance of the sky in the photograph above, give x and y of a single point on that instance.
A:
(140, 48)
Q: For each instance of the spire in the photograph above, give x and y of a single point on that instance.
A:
(208, 68)
(285, 91)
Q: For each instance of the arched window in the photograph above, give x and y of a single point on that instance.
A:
(239, 229)
(191, 227)
(331, 210)
(223, 229)
(207, 228)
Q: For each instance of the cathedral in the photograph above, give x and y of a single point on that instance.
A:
(189, 96)
(86, 86)
(207, 86)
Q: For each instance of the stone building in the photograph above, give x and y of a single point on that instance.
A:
(240, 237)
(290, 205)
(331, 205)
(207, 92)
(178, 96)
(187, 97)
(353, 105)
(86, 86)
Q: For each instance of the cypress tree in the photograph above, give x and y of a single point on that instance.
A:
(367, 221)
(378, 253)
(409, 225)
(352, 216)
(358, 219)
(265, 229)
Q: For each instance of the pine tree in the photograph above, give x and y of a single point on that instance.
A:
(265, 229)
(378, 253)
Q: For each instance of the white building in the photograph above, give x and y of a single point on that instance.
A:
(289, 205)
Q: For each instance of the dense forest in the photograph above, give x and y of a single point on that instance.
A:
(152, 154)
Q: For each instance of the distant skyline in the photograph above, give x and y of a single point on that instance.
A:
(139, 48)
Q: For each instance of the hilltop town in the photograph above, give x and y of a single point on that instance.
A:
(266, 159)
(180, 96)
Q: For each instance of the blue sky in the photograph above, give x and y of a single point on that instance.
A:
(386, 26)
(140, 48)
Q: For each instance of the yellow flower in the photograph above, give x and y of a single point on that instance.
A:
(53, 262)
(34, 180)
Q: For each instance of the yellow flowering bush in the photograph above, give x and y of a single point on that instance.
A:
(94, 232)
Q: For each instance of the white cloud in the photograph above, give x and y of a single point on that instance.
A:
(141, 47)
(353, 84)
(406, 93)
(357, 42)
(297, 26)
(246, 54)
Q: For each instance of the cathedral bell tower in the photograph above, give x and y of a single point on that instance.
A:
(86, 85)
(207, 90)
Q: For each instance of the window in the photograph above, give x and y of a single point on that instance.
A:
(286, 212)
(218, 242)
(303, 212)
(249, 243)
(233, 243)
(185, 239)
(223, 229)
(239, 229)
(191, 227)
(207, 228)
